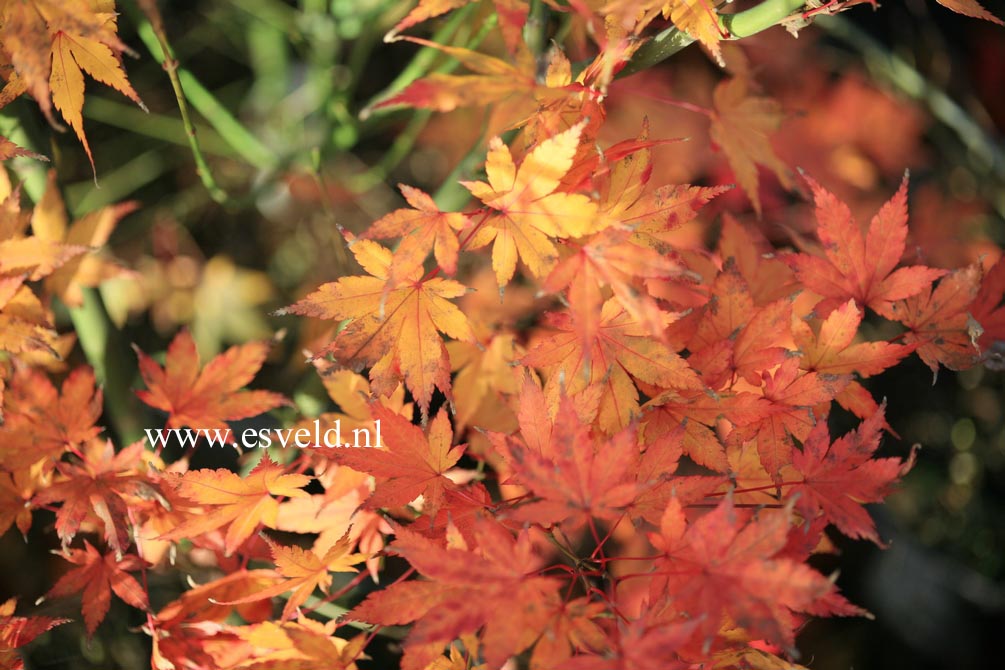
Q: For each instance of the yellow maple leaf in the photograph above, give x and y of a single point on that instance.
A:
(51, 44)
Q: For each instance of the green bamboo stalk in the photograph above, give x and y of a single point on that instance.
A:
(156, 126)
(742, 24)
(113, 364)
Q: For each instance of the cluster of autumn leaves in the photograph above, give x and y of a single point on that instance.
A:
(608, 450)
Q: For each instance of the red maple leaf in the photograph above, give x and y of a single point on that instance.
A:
(857, 266)
(492, 586)
(98, 487)
(98, 576)
(409, 462)
(17, 631)
(838, 478)
(988, 310)
(723, 565)
(573, 475)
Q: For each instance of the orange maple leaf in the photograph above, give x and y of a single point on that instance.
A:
(792, 394)
(971, 8)
(239, 503)
(741, 125)
(205, 398)
(511, 86)
(829, 349)
(10, 150)
(421, 229)
(98, 576)
(698, 19)
(939, 323)
(857, 266)
(304, 571)
(43, 423)
(50, 223)
(611, 258)
(736, 339)
(988, 311)
(305, 644)
(620, 351)
(512, 15)
(26, 257)
(206, 602)
(396, 331)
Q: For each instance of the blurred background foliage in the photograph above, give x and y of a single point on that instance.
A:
(279, 93)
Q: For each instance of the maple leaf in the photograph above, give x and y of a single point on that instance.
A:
(721, 565)
(305, 571)
(206, 602)
(649, 642)
(43, 423)
(572, 628)
(529, 212)
(620, 351)
(971, 8)
(25, 325)
(697, 411)
(741, 124)
(857, 266)
(51, 43)
(241, 504)
(10, 150)
(793, 394)
(512, 15)
(838, 478)
(207, 397)
(421, 228)
(829, 350)
(733, 337)
(611, 259)
(425, 10)
(410, 463)
(49, 222)
(17, 631)
(99, 486)
(698, 19)
(938, 323)
(574, 476)
(30, 257)
(485, 372)
(511, 86)
(298, 645)
(396, 332)
(98, 576)
(768, 278)
(988, 311)
(15, 500)
(493, 586)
